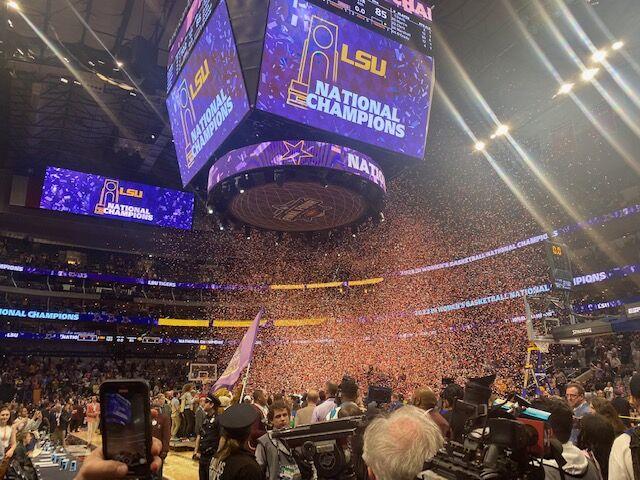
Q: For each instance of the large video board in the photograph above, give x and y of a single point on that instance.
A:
(97, 196)
(209, 97)
(361, 69)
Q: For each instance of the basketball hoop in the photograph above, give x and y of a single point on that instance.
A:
(542, 346)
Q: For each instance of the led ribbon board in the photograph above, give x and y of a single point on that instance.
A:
(362, 70)
(209, 97)
(97, 196)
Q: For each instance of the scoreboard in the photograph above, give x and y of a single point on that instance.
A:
(386, 19)
(360, 70)
(353, 73)
(559, 266)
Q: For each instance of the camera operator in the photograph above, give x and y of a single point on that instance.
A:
(450, 395)
(397, 446)
(271, 454)
(576, 463)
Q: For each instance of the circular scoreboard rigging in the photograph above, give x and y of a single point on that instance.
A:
(296, 186)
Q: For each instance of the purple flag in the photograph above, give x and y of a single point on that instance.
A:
(241, 357)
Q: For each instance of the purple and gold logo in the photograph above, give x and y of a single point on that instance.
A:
(305, 209)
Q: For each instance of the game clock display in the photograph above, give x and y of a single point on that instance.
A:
(347, 74)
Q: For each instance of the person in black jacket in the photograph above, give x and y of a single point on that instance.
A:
(235, 461)
(208, 437)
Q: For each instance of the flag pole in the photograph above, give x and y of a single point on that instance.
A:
(244, 382)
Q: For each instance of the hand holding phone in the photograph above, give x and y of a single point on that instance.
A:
(126, 425)
(95, 467)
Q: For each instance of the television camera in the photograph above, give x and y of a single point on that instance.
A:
(505, 441)
(326, 448)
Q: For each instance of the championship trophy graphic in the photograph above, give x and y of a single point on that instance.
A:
(109, 194)
(187, 118)
(321, 47)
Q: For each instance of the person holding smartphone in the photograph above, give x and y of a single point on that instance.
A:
(96, 467)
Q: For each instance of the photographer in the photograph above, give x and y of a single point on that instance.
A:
(450, 395)
(397, 446)
(271, 454)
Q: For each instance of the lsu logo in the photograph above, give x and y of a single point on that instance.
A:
(110, 193)
(199, 80)
(305, 209)
(321, 54)
(365, 61)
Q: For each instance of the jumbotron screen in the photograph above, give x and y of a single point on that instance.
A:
(209, 97)
(363, 71)
(97, 196)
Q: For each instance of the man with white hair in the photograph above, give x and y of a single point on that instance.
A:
(397, 446)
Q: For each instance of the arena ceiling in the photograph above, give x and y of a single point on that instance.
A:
(68, 103)
(90, 123)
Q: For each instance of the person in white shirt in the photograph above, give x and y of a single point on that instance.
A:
(621, 458)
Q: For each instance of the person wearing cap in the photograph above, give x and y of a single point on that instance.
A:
(234, 460)
(624, 461)
(208, 436)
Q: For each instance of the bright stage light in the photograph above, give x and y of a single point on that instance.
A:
(64, 80)
(617, 45)
(480, 146)
(210, 211)
(119, 64)
(599, 56)
(13, 6)
(565, 88)
(589, 74)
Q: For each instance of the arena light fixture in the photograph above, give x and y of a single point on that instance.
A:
(119, 64)
(210, 211)
(480, 146)
(565, 88)
(13, 6)
(64, 80)
(502, 130)
(599, 56)
(589, 74)
(617, 45)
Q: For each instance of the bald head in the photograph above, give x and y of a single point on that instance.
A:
(425, 398)
(313, 396)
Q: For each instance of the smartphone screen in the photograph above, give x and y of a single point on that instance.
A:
(126, 434)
